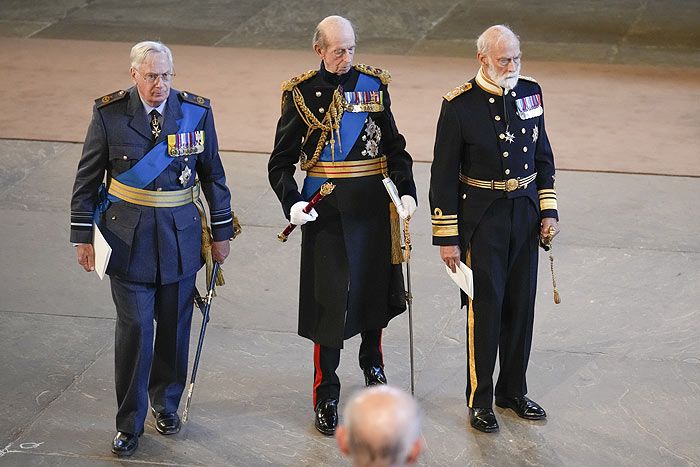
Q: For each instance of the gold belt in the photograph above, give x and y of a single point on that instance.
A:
(154, 199)
(511, 184)
(349, 169)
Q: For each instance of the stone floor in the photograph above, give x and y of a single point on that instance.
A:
(616, 364)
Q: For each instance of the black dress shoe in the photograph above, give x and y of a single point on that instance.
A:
(167, 423)
(124, 444)
(524, 407)
(374, 375)
(483, 420)
(327, 416)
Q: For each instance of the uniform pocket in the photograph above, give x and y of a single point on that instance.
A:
(121, 220)
(189, 235)
(122, 158)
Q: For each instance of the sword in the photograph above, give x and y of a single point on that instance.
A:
(546, 244)
(409, 297)
(325, 190)
(204, 305)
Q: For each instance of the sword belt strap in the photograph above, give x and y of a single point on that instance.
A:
(349, 169)
(154, 199)
(511, 184)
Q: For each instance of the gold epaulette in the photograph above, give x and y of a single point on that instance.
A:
(109, 98)
(457, 91)
(527, 78)
(290, 83)
(444, 225)
(383, 75)
(194, 99)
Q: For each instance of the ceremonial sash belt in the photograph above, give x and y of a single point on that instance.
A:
(511, 184)
(153, 199)
(349, 169)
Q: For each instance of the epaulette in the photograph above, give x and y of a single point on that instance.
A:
(194, 99)
(462, 88)
(383, 75)
(290, 83)
(109, 98)
(527, 78)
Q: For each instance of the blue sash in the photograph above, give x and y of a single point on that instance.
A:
(350, 127)
(153, 163)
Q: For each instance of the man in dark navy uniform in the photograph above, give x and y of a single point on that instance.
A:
(491, 197)
(151, 143)
(337, 123)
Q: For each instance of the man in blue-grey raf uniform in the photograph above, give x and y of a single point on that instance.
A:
(156, 148)
(337, 123)
(491, 196)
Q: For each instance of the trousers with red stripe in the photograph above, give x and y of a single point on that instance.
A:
(327, 359)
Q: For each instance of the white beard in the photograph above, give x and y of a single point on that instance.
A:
(504, 81)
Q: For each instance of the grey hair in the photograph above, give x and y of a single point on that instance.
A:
(498, 32)
(320, 34)
(394, 451)
(140, 51)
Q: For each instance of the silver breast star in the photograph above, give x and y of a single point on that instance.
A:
(510, 137)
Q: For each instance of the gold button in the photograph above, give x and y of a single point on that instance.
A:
(159, 189)
(525, 166)
(523, 130)
(502, 136)
(505, 154)
(512, 93)
(524, 148)
(464, 196)
(497, 118)
(322, 110)
(318, 93)
(492, 100)
(507, 171)
(124, 157)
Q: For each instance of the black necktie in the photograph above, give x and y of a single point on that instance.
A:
(155, 123)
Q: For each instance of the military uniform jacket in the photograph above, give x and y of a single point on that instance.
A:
(346, 252)
(486, 134)
(152, 245)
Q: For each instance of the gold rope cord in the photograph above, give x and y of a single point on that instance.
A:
(330, 126)
(206, 247)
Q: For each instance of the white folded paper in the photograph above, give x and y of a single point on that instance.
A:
(102, 251)
(463, 278)
(393, 193)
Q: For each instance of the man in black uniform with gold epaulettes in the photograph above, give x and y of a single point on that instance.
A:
(491, 196)
(337, 123)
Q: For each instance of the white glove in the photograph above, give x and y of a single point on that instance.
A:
(298, 217)
(409, 206)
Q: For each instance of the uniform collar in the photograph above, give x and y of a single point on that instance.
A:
(332, 78)
(486, 84)
(148, 108)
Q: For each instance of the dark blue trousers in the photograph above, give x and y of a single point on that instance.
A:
(503, 254)
(147, 368)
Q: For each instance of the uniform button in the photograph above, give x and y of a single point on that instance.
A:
(523, 130)
(464, 196)
(525, 166)
(524, 148)
(507, 171)
(194, 218)
(321, 109)
(124, 157)
(505, 154)
(318, 93)
(497, 118)
(502, 136)
(159, 189)
(512, 93)
(114, 218)
(186, 159)
(364, 137)
(492, 100)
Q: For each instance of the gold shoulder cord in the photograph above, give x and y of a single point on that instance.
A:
(329, 125)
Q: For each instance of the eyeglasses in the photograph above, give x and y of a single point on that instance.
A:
(153, 77)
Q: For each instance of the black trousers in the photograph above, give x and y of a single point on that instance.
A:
(327, 359)
(503, 255)
(143, 368)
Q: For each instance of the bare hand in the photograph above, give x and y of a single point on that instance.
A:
(86, 256)
(549, 228)
(220, 251)
(450, 255)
